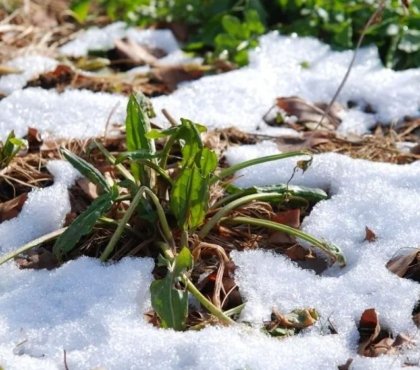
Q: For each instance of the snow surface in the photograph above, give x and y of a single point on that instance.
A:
(103, 39)
(43, 212)
(72, 114)
(94, 311)
(241, 98)
(30, 66)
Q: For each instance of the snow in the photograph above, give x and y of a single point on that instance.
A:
(30, 66)
(43, 212)
(103, 39)
(241, 98)
(95, 312)
(76, 114)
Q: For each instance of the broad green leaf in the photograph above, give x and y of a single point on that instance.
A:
(191, 142)
(208, 162)
(135, 155)
(168, 300)
(84, 224)
(86, 169)
(137, 126)
(189, 198)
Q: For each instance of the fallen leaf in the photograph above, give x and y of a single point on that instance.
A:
(38, 259)
(309, 114)
(171, 76)
(406, 264)
(375, 341)
(370, 236)
(11, 208)
(291, 217)
(61, 75)
(346, 366)
(88, 188)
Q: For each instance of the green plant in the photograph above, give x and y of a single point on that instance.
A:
(228, 28)
(9, 149)
(161, 191)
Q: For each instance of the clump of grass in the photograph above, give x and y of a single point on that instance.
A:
(162, 195)
(9, 149)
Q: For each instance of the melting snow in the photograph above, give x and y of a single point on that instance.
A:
(43, 212)
(94, 312)
(30, 66)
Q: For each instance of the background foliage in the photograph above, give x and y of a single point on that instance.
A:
(228, 28)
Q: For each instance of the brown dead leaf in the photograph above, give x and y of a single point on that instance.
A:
(38, 259)
(291, 217)
(406, 264)
(297, 253)
(11, 208)
(346, 366)
(171, 76)
(370, 236)
(88, 188)
(376, 341)
(61, 75)
(369, 330)
(307, 113)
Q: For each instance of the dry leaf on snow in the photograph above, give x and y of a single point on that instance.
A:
(370, 236)
(406, 264)
(12, 207)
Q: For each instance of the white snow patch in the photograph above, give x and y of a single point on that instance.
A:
(76, 114)
(241, 98)
(43, 212)
(30, 66)
(382, 196)
(103, 39)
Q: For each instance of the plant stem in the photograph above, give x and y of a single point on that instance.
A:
(122, 224)
(169, 254)
(330, 249)
(32, 244)
(206, 303)
(252, 162)
(231, 206)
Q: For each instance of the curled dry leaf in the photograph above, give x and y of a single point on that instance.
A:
(406, 264)
(11, 208)
(291, 323)
(291, 217)
(374, 340)
(370, 236)
(309, 114)
(346, 366)
(171, 76)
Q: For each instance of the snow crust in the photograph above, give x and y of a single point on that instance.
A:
(76, 114)
(94, 311)
(30, 66)
(241, 98)
(103, 39)
(43, 212)
(383, 197)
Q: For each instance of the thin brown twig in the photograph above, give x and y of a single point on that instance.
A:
(371, 20)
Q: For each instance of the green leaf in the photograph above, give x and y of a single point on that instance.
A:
(312, 195)
(84, 224)
(137, 126)
(80, 9)
(189, 198)
(137, 154)
(86, 169)
(169, 300)
(208, 162)
(10, 148)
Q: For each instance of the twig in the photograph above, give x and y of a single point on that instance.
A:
(66, 367)
(371, 20)
(169, 117)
